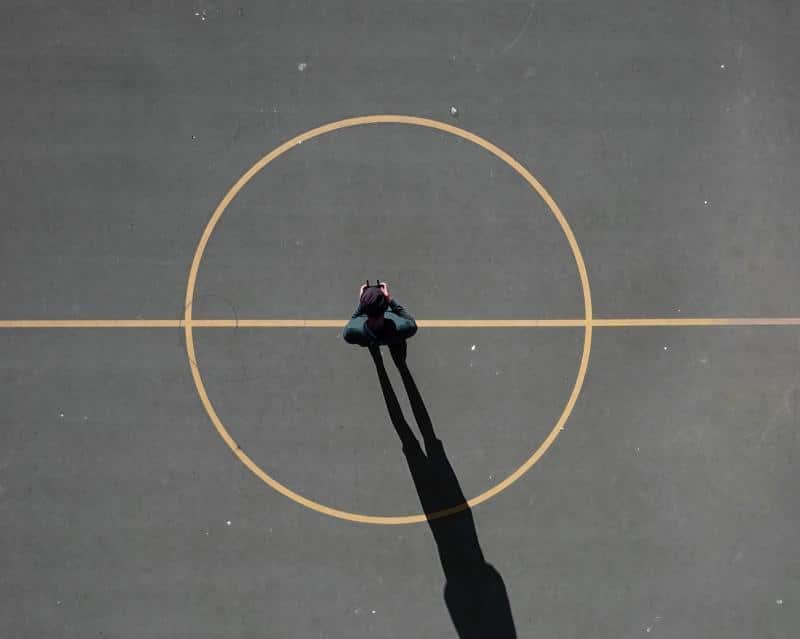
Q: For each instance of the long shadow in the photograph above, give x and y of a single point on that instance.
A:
(474, 591)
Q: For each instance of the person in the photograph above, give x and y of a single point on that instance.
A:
(378, 319)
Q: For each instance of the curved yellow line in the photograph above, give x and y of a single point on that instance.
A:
(277, 152)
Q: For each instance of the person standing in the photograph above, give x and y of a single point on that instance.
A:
(378, 319)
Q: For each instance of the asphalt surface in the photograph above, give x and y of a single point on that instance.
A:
(668, 135)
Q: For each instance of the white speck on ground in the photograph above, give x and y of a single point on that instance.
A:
(705, 202)
(721, 66)
(649, 628)
(779, 602)
(472, 348)
(302, 66)
(373, 612)
(666, 348)
(61, 414)
(453, 111)
(228, 522)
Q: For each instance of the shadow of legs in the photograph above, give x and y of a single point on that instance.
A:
(474, 592)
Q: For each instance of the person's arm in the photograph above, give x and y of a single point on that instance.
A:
(353, 332)
(360, 308)
(359, 311)
(396, 308)
(407, 326)
(400, 310)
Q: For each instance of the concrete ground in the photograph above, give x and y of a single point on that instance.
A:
(668, 135)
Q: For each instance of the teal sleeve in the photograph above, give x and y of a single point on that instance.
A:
(407, 326)
(353, 333)
(359, 311)
(399, 310)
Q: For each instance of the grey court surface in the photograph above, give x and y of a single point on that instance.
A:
(668, 135)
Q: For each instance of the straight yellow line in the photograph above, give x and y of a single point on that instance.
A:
(89, 323)
(300, 323)
(340, 323)
(698, 321)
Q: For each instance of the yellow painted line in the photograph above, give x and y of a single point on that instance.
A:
(535, 185)
(328, 323)
(432, 323)
(521, 323)
(696, 321)
(92, 323)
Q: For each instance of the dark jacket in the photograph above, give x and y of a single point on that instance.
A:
(398, 326)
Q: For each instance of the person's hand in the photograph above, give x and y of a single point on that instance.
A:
(385, 291)
(398, 352)
(361, 290)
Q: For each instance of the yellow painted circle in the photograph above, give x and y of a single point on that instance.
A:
(343, 124)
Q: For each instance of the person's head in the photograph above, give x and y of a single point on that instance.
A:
(374, 304)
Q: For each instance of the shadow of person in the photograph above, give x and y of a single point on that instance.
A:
(474, 591)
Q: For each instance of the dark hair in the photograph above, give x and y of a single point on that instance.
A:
(373, 302)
